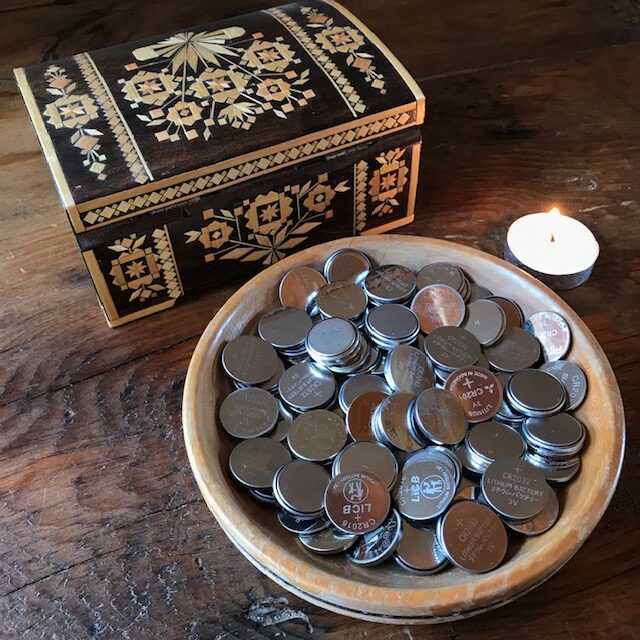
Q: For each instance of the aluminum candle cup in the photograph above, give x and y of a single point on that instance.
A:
(391, 594)
(557, 250)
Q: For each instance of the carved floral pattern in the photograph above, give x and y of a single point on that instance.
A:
(388, 181)
(136, 268)
(269, 225)
(145, 267)
(344, 39)
(71, 110)
(190, 83)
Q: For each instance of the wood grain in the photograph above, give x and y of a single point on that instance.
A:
(529, 105)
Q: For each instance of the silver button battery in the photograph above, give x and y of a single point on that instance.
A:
(559, 436)
(552, 331)
(438, 417)
(357, 502)
(285, 327)
(347, 265)
(535, 393)
(441, 273)
(304, 387)
(248, 413)
(407, 370)
(391, 422)
(426, 488)
(299, 287)
(419, 551)
(573, 379)
(328, 541)
(254, 462)
(317, 435)
(389, 283)
(371, 457)
(490, 441)
(473, 537)
(390, 325)
(438, 305)
(376, 546)
(337, 345)
(478, 391)
(486, 321)
(299, 488)
(342, 300)
(516, 350)
(452, 347)
(250, 360)
(515, 488)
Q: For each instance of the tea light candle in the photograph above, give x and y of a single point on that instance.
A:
(558, 250)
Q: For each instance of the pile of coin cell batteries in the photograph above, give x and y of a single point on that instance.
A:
(386, 413)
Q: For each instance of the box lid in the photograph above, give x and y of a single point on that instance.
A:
(136, 127)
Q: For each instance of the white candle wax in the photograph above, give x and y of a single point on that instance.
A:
(553, 244)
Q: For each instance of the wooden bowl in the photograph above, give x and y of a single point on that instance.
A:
(386, 593)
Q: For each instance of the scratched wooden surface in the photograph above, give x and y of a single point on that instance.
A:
(102, 530)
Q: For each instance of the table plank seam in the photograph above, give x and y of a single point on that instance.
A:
(102, 372)
(515, 63)
(62, 570)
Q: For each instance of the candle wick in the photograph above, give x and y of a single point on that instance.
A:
(553, 239)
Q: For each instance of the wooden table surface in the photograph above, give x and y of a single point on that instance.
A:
(102, 530)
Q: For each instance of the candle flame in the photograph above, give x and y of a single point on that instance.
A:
(555, 214)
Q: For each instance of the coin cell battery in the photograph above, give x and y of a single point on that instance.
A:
(378, 545)
(473, 537)
(357, 502)
(426, 489)
(254, 462)
(515, 489)
(249, 413)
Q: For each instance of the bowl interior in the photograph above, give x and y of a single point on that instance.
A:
(387, 590)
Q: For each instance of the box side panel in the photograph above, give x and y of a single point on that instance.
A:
(148, 266)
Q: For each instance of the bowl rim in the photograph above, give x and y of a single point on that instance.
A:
(317, 584)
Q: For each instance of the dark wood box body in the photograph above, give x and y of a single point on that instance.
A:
(195, 157)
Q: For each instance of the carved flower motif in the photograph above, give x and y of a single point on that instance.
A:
(268, 56)
(135, 269)
(274, 89)
(149, 87)
(220, 85)
(184, 114)
(215, 234)
(191, 49)
(340, 39)
(389, 180)
(268, 213)
(319, 199)
(71, 111)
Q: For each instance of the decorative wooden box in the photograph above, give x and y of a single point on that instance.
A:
(191, 158)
